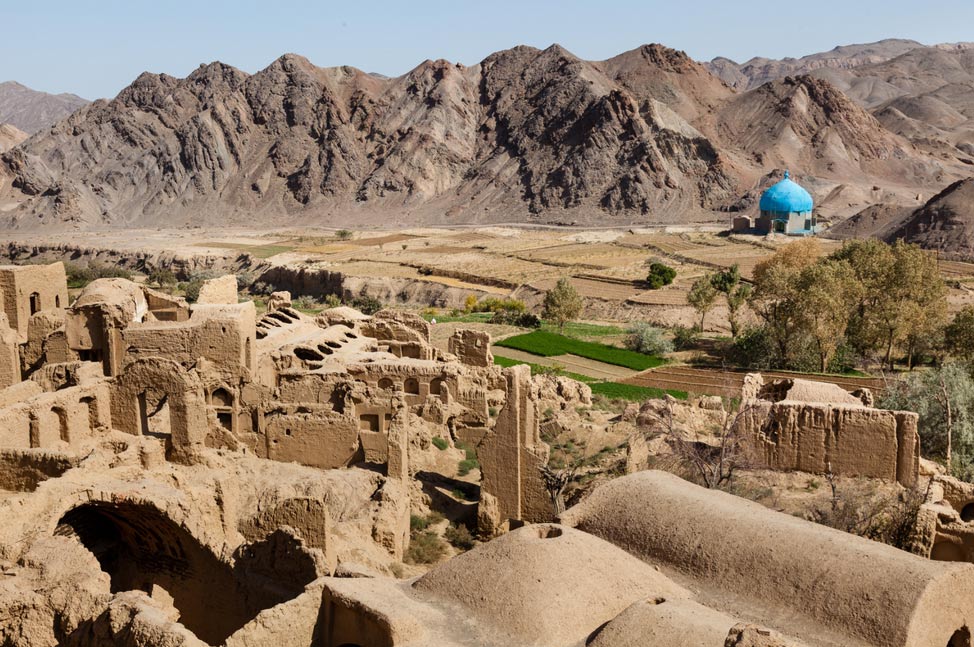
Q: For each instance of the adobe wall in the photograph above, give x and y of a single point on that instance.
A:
(9, 354)
(186, 399)
(511, 455)
(224, 335)
(58, 420)
(847, 440)
(26, 289)
(810, 581)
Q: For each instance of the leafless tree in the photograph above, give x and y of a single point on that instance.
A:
(712, 456)
(555, 481)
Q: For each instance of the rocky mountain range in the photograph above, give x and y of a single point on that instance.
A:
(30, 110)
(527, 135)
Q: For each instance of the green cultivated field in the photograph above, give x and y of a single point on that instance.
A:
(610, 390)
(549, 344)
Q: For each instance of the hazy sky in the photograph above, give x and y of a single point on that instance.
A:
(94, 49)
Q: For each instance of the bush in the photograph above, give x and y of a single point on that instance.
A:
(425, 548)
(79, 276)
(493, 304)
(459, 537)
(644, 338)
(418, 523)
(367, 305)
(306, 303)
(685, 337)
(440, 442)
(162, 277)
(519, 319)
(343, 234)
(660, 275)
(192, 289)
(467, 465)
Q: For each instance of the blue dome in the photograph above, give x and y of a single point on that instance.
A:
(786, 197)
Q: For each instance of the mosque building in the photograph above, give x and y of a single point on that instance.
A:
(786, 208)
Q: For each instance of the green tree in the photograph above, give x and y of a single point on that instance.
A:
(728, 282)
(702, 296)
(776, 296)
(828, 291)
(562, 303)
(959, 336)
(944, 399)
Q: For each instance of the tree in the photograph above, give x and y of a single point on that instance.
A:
(944, 399)
(828, 292)
(659, 275)
(776, 295)
(711, 456)
(343, 234)
(562, 303)
(728, 282)
(959, 336)
(702, 296)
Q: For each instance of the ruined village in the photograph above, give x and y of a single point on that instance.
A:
(196, 474)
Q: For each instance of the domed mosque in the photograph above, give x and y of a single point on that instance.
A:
(786, 208)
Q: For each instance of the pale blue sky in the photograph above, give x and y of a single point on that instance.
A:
(96, 48)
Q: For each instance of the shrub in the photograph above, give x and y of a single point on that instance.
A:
(493, 304)
(366, 304)
(79, 276)
(644, 338)
(161, 277)
(459, 537)
(685, 337)
(305, 302)
(440, 442)
(343, 234)
(754, 348)
(470, 303)
(192, 289)
(425, 548)
(519, 319)
(467, 465)
(660, 275)
(418, 523)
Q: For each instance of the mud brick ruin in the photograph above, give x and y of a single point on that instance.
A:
(175, 474)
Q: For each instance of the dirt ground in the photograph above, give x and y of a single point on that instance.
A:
(607, 267)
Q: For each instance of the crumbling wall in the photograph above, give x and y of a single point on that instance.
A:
(27, 289)
(223, 335)
(186, 400)
(472, 347)
(846, 440)
(58, 420)
(511, 455)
